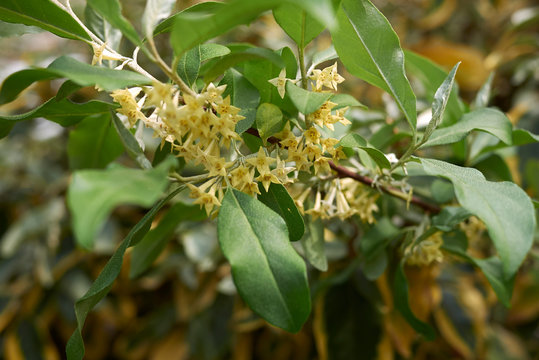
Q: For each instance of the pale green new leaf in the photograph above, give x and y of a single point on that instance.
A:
(155, 11)
(441, 98)
(356, 141)
(93, 194)
(44, 14)
(505, 209)
(299, 25)
(485, 119)
(269, 120)
(269, 275)
(370, 50)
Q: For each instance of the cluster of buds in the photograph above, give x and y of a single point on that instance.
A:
(424, 252)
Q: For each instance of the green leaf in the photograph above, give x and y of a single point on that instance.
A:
(151, 246)
(356, 141)
(9, 30)
(155, 11)
(269, 120)
(15, 83)
(93, 144)
(278, 200)
(343, 100)
(492, 267)
(44, 14)
(88, 75)
(486, 119)
(373, 245)
(269, 275)
(93, 194)
(441, 97)
(370, 50)
(243, 95)
(324, 55)
(131, 144)
(299, 25)
(206, 8)
(483, 95)
(103, 283)
(505, 209)
(442, 191)
(449, 217)
(67, 88)
(305, 101)
(431, 76)
(62, 112)
(100, 27)
(402, 303)
(192, 29)
(190, 63)
(314, 245)
(111, 11)
(519, 137)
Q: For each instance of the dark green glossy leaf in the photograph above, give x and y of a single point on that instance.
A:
(278, 200)
(15, 83)
(93, 144)
(67, 88)
(505, 209)
(151, 246)
(63, 112)
(111, 11)
(190, 63)
(441, 98)
(305, 101)
(103, 283)
(44, 14)
(370, 50)
(131, 144)
(269, 275)
(402, 303)
(243, 95)
(356, 141)
(313, 243)
(449, 217)
(486, 119)
(269, 120)
(93, 194)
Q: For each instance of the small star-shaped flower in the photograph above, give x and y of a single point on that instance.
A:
(280, 82)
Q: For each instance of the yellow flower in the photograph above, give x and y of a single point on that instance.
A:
(266, 177)
(321, 165)
(241, 177)
(101, 53)
(312, 136)
(261, 161)
(425, 252)
(299, 158)
(213, 93)
(281, 172)
(280, 82)
(318, 211)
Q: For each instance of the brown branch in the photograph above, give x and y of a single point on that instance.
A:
(343, 172)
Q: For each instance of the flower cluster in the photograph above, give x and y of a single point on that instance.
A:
(425, 252)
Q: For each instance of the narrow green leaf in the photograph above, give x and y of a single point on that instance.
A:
(67, 88)
(15, 83)
(93, 144)
(324, 55)
(356, 141)
(370, 50)
(449, 217)
(299, 25)
(343, 100)
(151, 246)
(189, 65)
(505, 209)
(441, 98)
(483, 95)
(9, 30)
(88, 75)
(131, 144)
(402, 303)
(431, 76)
(205, 8)
(194, 28)
(305, 101)
(492, 267)
(278, 200)
(93, 194)
(103, 283)
(269, 120)
(519, 137)
(314, 245)
(44, 14)
(62, 112)
(111, 11)
(373, 247)
(486, 119)
(243, 95)
(155, 11)
(269, 275)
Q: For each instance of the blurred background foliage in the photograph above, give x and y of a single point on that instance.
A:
(185, 305)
